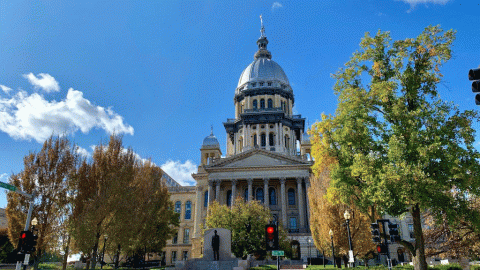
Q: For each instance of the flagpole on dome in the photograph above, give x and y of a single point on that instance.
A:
(262, 29)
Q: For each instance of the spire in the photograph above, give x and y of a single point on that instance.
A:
(262, 43)
(211, 127)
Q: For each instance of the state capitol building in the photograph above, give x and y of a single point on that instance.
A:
(267, 159)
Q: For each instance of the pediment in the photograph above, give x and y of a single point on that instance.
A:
(258, 158)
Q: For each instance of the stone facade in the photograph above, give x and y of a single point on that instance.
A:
(180, 246)
(267, 157)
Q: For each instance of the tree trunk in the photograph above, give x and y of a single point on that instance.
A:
(95, 251)
(36, 260)
(117, 256)
(67, 249)
(419, 260)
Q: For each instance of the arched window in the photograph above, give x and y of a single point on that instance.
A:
(255, 104)
(245, 194)
(178, 207)
(188, 210)
(271, 139)
(255, 139)
(291, 196)
(262, 103)
(205, 200)
(229, 198)
(259, 195)
(264, 139)
(270, 103)
(272, 196)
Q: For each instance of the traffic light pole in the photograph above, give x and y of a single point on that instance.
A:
(383, 221)
(27, 223)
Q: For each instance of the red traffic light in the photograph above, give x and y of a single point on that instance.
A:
(23, 235)
(270, 229)
(379, 248)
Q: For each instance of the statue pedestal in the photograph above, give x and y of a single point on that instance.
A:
(225, 250)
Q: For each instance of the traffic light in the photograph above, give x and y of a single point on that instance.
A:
(474, 75)
(393, 232)
(32, 243)
(382, 249)
(271, 237)
(23, 241)
(375, 232)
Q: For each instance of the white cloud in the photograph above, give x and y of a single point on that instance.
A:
(276, 5)
(180, 172)
(82, 152)
(413, 3)
(4, 177)
(5, 89)
(44, 81)
(29, 117)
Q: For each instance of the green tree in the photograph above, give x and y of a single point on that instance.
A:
(236, 218)
(45, 174)
(7, 254)
(399, 147)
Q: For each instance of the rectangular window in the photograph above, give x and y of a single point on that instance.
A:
(174, 256)
(293, 223)
(410, 230)
(185, 255)
(175, 238)
(186, 236)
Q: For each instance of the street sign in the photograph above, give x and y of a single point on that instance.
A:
(27, 258)
(8, 186)
(350, 256)
(278, 253)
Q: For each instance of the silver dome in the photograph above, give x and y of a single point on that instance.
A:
(210, 141)
(263, 69)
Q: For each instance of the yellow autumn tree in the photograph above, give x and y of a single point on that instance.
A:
(327, 212)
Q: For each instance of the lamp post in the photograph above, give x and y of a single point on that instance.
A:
(103, 252)
(351, 259)
(333, 248)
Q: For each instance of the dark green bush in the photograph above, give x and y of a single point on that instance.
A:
(452, 266)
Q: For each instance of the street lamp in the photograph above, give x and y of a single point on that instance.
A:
(333, 248)
(351, 259)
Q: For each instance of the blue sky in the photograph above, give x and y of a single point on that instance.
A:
(162, 72)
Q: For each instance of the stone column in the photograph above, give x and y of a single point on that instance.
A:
(265, 192)
(244, 134)
(284, 202)
(250, 188)
(234, 191)
(217, 192)
(259, 143)
(210, 192)
(277, 136)
(198, 211)
(301, 203)
(267, 136)
(307, 186)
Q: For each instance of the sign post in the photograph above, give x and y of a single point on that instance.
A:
(278, 253)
